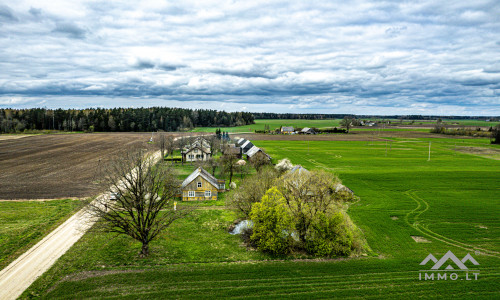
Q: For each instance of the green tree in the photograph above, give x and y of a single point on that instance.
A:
(329, 236)
(273, 224)
(347, 123)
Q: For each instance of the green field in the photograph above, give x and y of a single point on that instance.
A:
(450, 201)
(298, 123)
(22, 224)
(273, 124)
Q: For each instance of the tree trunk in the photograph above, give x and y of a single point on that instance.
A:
(145, 250)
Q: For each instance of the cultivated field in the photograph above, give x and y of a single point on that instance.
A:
(59, 165)
(448, 203)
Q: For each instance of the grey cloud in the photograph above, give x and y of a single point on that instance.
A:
(70, 29)
(37, 12)
(6, 14)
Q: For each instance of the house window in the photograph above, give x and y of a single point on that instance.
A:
(191, 194)
(222, 186)
(191, 156)
(195, 150)
(208, 193)
(199, 156)
(199, 184)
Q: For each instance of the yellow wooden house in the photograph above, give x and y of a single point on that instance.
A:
(201, 185)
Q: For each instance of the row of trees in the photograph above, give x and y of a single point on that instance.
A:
(299, 211)
(118, 119)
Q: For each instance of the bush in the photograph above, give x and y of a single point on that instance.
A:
(273, 224)
(329, 236)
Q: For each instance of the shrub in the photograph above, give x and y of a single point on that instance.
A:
(329, 236)
(273, 224)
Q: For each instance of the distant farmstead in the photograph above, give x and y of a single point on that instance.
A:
(201, 185)
(287, 129)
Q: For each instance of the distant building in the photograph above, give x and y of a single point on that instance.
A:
(254, 151)
(198, 150)
(286, 129)
(233, 150)
(307, 130)
(246, 146)
(201, 185)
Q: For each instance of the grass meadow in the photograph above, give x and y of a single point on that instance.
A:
(451, 202)
(24, 223)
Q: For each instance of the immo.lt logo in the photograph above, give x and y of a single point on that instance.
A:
(454, 268)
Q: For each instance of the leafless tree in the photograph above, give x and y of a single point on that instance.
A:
(347, 123)
(170, 146)
(251, 190)
(259, 160)
(162, 143)
(227, 163)
(141, 201)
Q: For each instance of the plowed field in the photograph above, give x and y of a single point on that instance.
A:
(60, 165)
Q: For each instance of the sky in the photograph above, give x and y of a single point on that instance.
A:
(361, 57)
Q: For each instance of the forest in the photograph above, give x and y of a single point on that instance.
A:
(118, 119)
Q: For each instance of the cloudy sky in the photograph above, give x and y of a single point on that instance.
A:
(363, 57)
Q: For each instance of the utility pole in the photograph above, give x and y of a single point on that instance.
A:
(429, 152)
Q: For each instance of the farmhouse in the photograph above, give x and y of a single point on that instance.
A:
(286, 129)
(201, 185)
(307, 130)
(198, 150)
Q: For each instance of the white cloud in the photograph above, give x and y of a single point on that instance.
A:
(378, 56)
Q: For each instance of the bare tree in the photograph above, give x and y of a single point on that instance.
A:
(228, 164)
(259, 160)
(140, 205)
(170, 146)
(162, 143)
(251, 190)
(347, 123)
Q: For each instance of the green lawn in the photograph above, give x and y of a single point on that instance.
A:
(451, 201)
(23, 224)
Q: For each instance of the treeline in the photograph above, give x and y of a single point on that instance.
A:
(341, 116)
(299, 116)
(118, 119)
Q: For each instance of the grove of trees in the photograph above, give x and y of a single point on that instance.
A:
(297, 212)
(118, 119)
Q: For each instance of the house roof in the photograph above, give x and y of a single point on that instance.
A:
(299, 169)
(203, 173)
(247, 146)
(241, 141)
(233, 150)
(287, 128)
(254, 150)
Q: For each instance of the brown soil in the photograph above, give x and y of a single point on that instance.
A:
(493, 153)
(420, 239)
(60, 165)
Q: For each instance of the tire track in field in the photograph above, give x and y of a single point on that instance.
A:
(412, 219)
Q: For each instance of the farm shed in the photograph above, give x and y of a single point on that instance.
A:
(254, 151)
(201, 185)
(246, 147)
